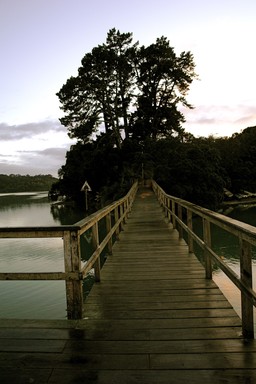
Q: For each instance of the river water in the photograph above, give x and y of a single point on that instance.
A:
(227, 246)
(30, 299)
(46, 299)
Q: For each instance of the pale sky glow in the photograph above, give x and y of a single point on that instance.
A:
(43, 42)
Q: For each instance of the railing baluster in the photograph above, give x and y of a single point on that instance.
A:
(246, 278)
(121, 214)
(72, 261)
(116, 220)
(180, 229)
(173, 216)
(207, 241)
(108, 227)
(95, 243)
(169, 216)
(166, 207)
(190, 226)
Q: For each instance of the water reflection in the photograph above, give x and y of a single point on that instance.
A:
(66, 214)
(31, 255)
(227, 247)
(33, 299)
(19, 199)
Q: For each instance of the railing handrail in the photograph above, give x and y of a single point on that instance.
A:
(74, 273)
(215, 217)
(58, 230)
(245, 233)
(88, 221)
(34, 232)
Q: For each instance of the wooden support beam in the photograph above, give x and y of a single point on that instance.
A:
(246, 278)
(207, 241)
(72, 261)
(95, 243)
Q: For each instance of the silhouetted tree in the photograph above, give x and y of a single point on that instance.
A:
(123, 108)
(163, 80)
(127, 91)
(102, 93)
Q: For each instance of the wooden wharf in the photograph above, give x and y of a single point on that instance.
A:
(153, 319)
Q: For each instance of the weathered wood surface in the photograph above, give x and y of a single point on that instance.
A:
(152, 319)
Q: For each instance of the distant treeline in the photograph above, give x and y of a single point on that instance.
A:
(198, 170)
(25, 183)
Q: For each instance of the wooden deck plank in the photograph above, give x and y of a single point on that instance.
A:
(153, 319)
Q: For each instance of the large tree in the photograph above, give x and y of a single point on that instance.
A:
(127, 91)
(163, 80)
(102, 93)
(124, 99)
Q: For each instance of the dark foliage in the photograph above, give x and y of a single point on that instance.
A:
(124, 110)
(21, 183)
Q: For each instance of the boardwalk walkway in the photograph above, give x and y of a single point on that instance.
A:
(153, 319)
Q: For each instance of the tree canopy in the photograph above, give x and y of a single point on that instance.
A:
(124, 109)
(127, 91)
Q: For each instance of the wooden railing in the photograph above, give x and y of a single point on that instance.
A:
(182, 213)
(114, 215)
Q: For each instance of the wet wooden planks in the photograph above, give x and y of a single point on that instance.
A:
(154, 318)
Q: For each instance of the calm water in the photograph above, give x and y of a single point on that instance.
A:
(47, 299)
(29, 299)
(228, 247)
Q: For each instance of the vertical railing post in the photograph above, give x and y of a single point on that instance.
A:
(108, 227)
(163, 204)
(190, 226)
(166, 206)
(95, 244)
(129, 199)
(116, 220)
(169, 216)
(246, 278)
(180, 229)
(74, 288)
(207, 241)
(124, 211)
(121, 214)
(173, 215)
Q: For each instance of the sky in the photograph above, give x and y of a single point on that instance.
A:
(43, 41)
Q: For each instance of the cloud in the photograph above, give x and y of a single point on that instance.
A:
(34, 148)
(48, 161)
(220, 120)
(18, 132)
